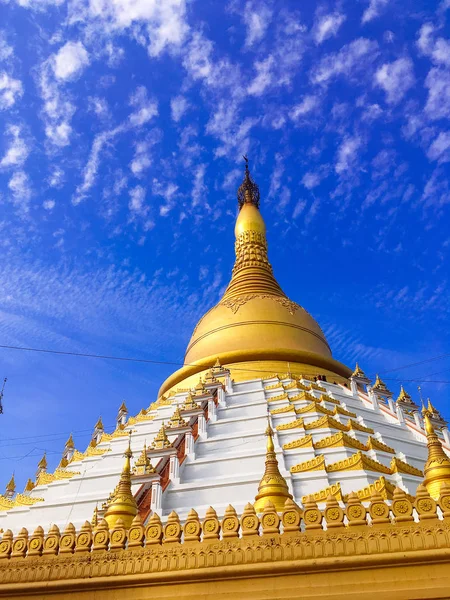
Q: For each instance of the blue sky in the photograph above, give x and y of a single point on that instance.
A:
(122, 127)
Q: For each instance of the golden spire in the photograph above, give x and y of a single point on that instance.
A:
(176, 420)
(123, 407)
(123, 505)
(70, 443)
(42, 464)
(143, 465)
(252, 272)
(161, 440)
(437, 467)
(404, 396)
(29, 486)
(358, 372)
(273, 486)
(11, 486)
(380, 385)
(99, 424)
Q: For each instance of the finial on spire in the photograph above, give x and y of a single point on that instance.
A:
(437, 467)
(1, 394)
(123, 505)
(273, 486)
(248, 192)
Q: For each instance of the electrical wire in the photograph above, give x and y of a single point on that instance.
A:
(183, 364)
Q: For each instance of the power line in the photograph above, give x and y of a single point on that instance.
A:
(183, 364)
(415, 364)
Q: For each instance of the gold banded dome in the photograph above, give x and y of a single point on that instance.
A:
(255, 327)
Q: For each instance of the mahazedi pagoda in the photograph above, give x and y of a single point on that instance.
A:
(265, 469)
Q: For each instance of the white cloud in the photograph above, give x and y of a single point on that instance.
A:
(91, 168)
(299, 208)
(257, 19)
(19, 186)
(10, 90)
(17, 151)
(348, 61)
(308, 104)
(438, 101)
(144, 108)
(70, 61)
(58, 109)
(264, 76)
(56, 177)
(137, 201)
(164, 23)
(327, 26)
(395, 79)
(311, 180)
(178, 107)
(99, 106)
(440, 148)
(199, 187)
(347, 154)
(6, 51)
(374, 9)
(49, 204)
(197, 60)
(438, 49)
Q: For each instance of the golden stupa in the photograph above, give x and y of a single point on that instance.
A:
(255, 329)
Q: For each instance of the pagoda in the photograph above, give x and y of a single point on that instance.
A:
(264, 468)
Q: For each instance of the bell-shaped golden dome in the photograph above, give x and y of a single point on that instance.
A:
(255, 322)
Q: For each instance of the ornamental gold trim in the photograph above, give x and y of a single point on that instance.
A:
(374, 444)
(398, 466)
(339, 410)
(320, 496)
(338, 440)
(315, 464)
(358, 427)
(358, 462)
(283, 410)
(304, 442)
(326, 421)
(291, 425)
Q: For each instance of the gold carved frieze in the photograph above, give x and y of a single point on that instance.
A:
(399, 466)
(358, 462)
(282, 410)
(234, 304)
(374, 444)
(303, 442)
(315, 464)
(358, 427)
(321, 496)
(337, 440)
(291, 425)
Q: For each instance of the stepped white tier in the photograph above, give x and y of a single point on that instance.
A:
(342, 437)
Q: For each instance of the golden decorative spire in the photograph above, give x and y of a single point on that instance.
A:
(176, 419)
(99, 424)
(358, 372)
(161, 440)
(42, 464)
(190, 403)
(404, 396)
(29, 486)
(123, 407)
(143, 465)
(123, 505)
(380, 386)
(437, 467)
(70, 442)
(252, 272)
(94, 520)
(254, 322)
(200, 389)
(273, 486)
(11, 486)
